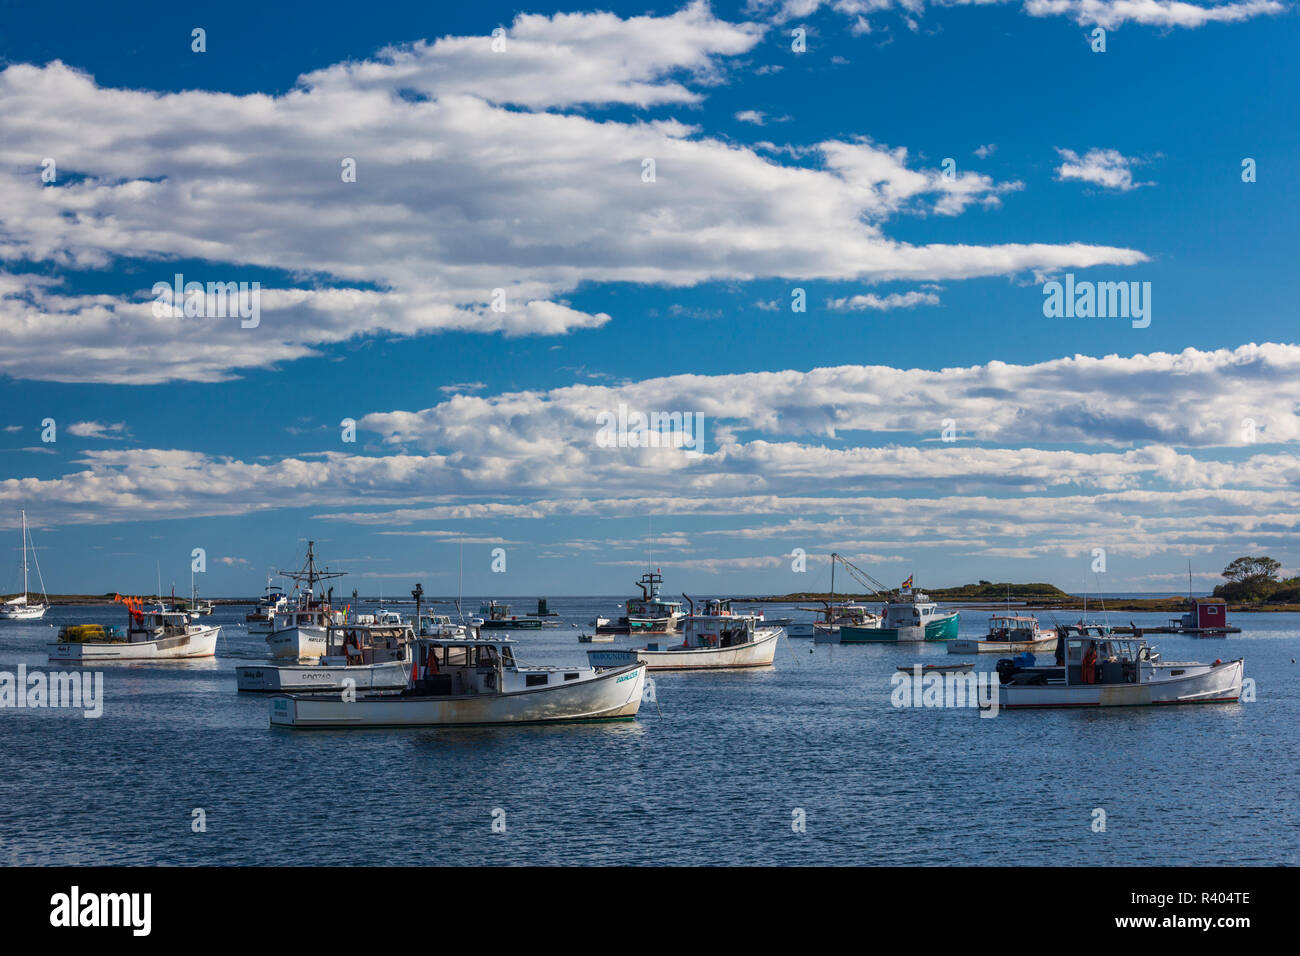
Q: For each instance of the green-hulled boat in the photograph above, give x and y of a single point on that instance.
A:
(912, 619)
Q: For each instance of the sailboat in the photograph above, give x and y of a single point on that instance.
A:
(20, 608)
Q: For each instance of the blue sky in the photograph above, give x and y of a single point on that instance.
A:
(775, 171)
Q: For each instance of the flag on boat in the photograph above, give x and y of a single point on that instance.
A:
(908, 582)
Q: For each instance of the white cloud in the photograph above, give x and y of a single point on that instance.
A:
(115, 432)
(1104, 13)
(1101, 167)
(751, 116)
(895, 300)
(473, 174)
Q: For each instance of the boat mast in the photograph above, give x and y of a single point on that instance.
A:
(310, 574)
(24, 557)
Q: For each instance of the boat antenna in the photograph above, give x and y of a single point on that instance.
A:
(460, 583)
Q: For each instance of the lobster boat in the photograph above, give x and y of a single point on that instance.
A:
(148, 636)
(298, 631)
(473, 681)
(826, 630)
(911, 618)
(1007, 632)
(1095, 668)
(497, 617)
(715, 640)
(364, 656)
(651, 612)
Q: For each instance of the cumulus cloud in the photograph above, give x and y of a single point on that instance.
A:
(486, 190)
(1104, 13)
(895, 300)
(1101, 167)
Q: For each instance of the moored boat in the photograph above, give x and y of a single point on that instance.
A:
(149, 635)
(298, 630)
(714, 640)
(650, 613)
(911, 617)
(1095, 668)
(21, 607)
(826, 630)
(497, 617)
(261, 619)
(372, 656)
(1007, 632)
(475, 680)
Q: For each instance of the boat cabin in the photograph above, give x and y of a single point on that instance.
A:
(470, 665)
(306, 617)
(1013, 628)
(357, 644)
(916, 610)
(718, 626)
(155, 625)
(1089, 654)
(854, 615)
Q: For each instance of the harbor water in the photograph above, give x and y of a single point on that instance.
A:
(806, 762)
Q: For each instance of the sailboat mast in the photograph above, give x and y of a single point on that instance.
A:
(24, 557)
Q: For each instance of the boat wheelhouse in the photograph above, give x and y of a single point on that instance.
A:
(475, 680)
(717, 639)
(1007, 632)
(149, 635)
(910, 619)
(1095, 668)
(372, 656)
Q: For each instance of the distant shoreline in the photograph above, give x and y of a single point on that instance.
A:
(1028, 602)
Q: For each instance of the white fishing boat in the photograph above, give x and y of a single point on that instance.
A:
(715, 640)
(471, 681)
(161, 634)
(1097, 669)
(261, 619)
(362, 656)
(826, 630)
(298, 632)
(1007, 632)
(21, 607)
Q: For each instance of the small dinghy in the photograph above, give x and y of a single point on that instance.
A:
(595, 638)
(938, 668)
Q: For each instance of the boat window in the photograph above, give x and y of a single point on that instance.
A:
(457, 656)
(534, 680)
(507, 656)
(573, 676)
(486, 656)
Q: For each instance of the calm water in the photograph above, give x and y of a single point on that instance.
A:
(713, 780)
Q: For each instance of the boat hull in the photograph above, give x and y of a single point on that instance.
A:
(967, 645)
(757, 653)
(1210, 684)
(202, 643)
(297, 643)
(312, 678)
(23, 612)
(613, 695)
(940, 629)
